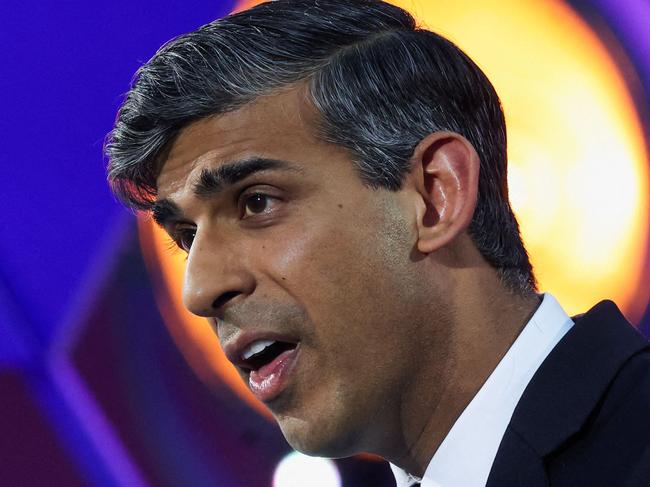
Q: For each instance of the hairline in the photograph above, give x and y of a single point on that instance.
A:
(303, 88)
(139, 187)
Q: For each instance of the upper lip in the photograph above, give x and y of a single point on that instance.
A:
(236, 346)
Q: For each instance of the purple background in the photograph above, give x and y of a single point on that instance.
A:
(92, 390)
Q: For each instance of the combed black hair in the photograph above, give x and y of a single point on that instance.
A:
(379, 83)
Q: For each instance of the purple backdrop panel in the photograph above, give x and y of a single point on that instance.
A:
(64, 68)
(30, 452)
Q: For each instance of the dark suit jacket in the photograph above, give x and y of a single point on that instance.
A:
(584, 419)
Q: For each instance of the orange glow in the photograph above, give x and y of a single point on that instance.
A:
(245, 5)
(193, 335)
(578, 164)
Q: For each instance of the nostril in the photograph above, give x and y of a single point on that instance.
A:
(220, 302)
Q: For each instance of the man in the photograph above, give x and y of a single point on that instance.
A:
(337, 177)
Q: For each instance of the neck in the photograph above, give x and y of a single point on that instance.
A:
(486, 320)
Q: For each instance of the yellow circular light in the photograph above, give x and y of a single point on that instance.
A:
(578, 167)
(578, 171)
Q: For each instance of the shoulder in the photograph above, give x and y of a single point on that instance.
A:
(628, 394)
(614, 443)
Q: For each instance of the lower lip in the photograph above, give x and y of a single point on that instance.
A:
(269, 381)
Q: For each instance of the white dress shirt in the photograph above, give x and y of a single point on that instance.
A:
(465, 456)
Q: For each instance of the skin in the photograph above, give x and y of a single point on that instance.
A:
(400, 320)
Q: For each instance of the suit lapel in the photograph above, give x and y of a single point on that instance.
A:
(517, 464)
(563, 393)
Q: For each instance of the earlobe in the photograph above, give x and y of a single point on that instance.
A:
(446, 170)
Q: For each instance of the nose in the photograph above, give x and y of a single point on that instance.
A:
(215, 275)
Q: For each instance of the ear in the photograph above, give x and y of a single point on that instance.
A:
(445, 171)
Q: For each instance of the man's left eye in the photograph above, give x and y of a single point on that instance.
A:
(256, 204)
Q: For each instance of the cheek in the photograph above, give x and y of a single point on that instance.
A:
(306, 256)
(287, 258)
(350, 280)
(317, 266)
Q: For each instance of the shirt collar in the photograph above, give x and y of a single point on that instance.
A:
(465, 456)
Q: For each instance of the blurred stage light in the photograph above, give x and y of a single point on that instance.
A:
(578, 165)
(298, 470)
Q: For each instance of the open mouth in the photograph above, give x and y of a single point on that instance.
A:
(266, 361)
(269, 366)
(263, 352)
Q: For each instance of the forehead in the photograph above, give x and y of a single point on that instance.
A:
(278, 126)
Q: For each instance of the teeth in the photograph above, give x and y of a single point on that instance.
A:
(255, 348)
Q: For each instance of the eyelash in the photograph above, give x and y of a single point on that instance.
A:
(173, 248)
(179, 235)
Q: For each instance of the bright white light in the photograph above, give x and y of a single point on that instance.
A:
(298, 470)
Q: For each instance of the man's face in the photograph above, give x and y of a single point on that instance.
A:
(306, 255)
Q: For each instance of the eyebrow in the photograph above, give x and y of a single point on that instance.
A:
(213, 181)
(163, 211)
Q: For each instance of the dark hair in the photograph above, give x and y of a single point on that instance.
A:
(379, 83)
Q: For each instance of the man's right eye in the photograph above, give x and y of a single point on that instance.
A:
(184, 238)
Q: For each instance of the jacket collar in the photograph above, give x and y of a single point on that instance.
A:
(565, 390)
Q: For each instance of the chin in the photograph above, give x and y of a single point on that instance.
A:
(318, 440)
